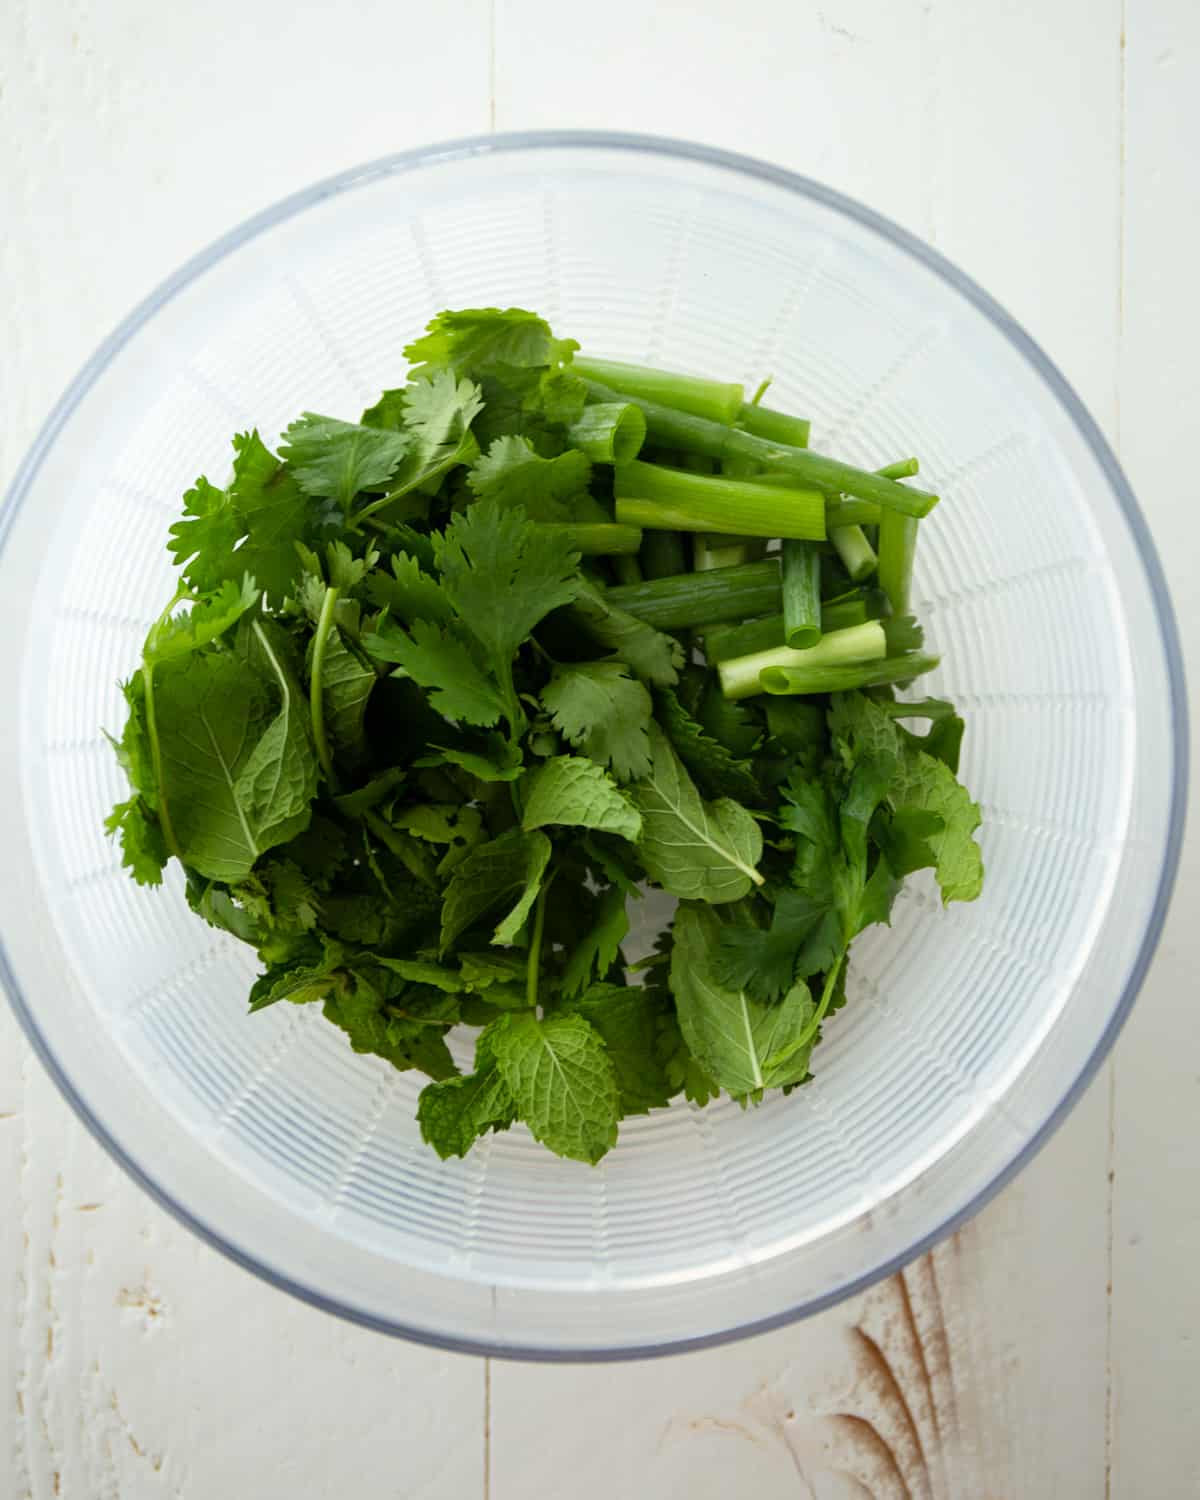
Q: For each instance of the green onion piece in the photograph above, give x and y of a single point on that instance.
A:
(627, 569)
(713, 400)
(702, 599)
(851, 513)
(766, 632)
(776, 426)
(596, 538)
(672, 499)
(691, 434)
(801, 595)
(610, 432)
(846, 678)
(740, 674)
(663, 553)
(897, 549)
(857, 554)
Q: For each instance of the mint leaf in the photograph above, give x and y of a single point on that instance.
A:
(334, 460)
(573, 790)
(511, 473)
(744, 1045)
(695, 850)
(562, 1080)
(599, 947)
(493, 874)
(454, 1114)
(626, 1017)
(600, 709)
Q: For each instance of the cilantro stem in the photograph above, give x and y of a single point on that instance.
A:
(653, 496)
(316, 695)
(714, 400)
(810, 1031)
(533, 967)
(677, 429)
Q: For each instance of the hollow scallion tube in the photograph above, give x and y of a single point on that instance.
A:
(801, 576)
(702, 599)
(844, 679)
(609, 432)
(595, 539)
(715, 400)
(857, 554)
(776, 426)
(867, 642)
(690, 434)
(658, 498)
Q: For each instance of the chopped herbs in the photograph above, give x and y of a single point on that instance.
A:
(442, 688)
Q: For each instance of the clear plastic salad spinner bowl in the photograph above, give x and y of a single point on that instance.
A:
(969, 1031)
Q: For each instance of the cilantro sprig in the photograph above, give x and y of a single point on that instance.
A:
(439, 693)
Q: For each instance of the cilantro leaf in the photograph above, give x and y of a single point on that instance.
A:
(410, 594)
(600, 709)
(334, 460)
(442, 662)
(744, 1045)
(511, 473)
(562, 1080)
(202, 543)
(502, 576)
(495, 873)
(597, 950)
(143, 849)
(205, 621)
(695, 850)
(654, 657)
(803, 938)
(487, 341)
(576, 791)
(275, 515)
(920, 783)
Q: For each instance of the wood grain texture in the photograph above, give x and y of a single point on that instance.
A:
(1056, 168)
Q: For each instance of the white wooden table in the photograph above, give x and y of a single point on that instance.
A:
(1053, 1347)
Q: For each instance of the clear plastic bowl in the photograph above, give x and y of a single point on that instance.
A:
(969, 1031)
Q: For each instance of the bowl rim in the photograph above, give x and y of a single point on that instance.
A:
(516, 142)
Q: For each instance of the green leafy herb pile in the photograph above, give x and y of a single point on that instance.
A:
(442, 690)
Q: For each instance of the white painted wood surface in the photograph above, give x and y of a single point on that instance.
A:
(1052, 1349)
